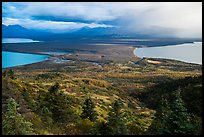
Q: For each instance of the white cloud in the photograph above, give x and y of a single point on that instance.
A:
(50, 25)
(179, 19)
(182, 19)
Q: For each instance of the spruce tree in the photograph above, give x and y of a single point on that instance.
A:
(160, 116)
(88, 110)
(177, 121)
(58, 105)
(13, 122)
(116, 125)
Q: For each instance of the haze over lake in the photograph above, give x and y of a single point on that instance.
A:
(17, 40)
(190, 52)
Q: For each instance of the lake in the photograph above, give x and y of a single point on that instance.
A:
(189, 52)
(11, 59)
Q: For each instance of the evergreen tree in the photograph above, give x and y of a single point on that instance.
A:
(57, 104)
(160, 116)
(116, 125)
(177, 121)
(13, 122)
(88, 110)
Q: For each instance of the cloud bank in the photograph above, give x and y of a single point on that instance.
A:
(167, 19)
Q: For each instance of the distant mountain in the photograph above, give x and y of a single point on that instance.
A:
(111, 32)
(14, 31)
(95, 31)
(17, 31)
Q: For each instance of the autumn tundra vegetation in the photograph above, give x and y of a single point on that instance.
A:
(112, 99)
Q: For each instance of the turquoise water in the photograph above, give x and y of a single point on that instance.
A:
(11, 59)
(191, 52)
(17, 40)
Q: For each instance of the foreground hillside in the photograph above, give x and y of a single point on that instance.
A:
(149, 96)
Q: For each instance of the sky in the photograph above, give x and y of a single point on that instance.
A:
(164, 19)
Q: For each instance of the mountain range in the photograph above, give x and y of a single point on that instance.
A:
(17, 31)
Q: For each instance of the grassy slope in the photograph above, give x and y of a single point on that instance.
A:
(103, 84)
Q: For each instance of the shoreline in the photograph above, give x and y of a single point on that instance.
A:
(170, 58)
(101, 54)
(23, 52)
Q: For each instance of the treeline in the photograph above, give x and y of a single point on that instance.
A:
(191, 93)
(174, 119)
(178, 105)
